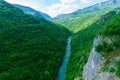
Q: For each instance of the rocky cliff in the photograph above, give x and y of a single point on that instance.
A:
(93, 70)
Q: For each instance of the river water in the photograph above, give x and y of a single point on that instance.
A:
(62, 70)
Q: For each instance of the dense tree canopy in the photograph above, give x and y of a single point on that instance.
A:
(31, 48)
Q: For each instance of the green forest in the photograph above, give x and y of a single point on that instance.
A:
(111, 30)
(31, 48)
(82, 43)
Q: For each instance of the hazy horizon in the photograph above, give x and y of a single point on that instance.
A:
(56, 7)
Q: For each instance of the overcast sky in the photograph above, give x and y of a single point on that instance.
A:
(56, 7)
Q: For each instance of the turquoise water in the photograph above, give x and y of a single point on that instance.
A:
(62, 69)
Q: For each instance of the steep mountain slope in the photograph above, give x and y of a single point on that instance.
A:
(104, 60)
(31, 48)
(86, 24)
(85, 17)
(81, 46)
(109, 47)
(29, 10)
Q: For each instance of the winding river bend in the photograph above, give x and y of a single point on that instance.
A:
(62, 69)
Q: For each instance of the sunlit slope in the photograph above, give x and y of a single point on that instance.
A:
(85, 17)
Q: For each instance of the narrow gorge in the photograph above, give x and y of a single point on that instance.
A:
(62, 69)
(60, 40)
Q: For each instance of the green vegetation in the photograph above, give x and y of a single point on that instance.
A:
(105, 68)
(105, 47)
(112, 70)
(83, 18)
(115, 69)
(31, 48)
(111, 30)
(82, 43)
(118, 68)
(86, 24)
(77, 23)
(112, 27)
(81, 46)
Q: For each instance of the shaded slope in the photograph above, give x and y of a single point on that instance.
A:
(31, 48)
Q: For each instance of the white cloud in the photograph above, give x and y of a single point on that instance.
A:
(86, 1)
(60, 9)
(68, 1)
(66, 6)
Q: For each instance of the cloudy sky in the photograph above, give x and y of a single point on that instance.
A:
(56, 7)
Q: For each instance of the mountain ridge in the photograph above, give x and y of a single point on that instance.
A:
(82, 18)
(97, 4)
(32, 11)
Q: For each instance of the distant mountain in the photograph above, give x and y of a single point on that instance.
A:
(81, 18)
(29, 10)
(60, 16)
(93, 8)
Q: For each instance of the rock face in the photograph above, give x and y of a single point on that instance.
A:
(105, 76)
(92, 69)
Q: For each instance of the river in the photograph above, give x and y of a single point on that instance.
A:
(62, 70)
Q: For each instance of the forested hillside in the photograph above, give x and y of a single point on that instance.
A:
(109, 47)
(31, 48)
(82, 43)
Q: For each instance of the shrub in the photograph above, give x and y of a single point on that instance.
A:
(118, 68)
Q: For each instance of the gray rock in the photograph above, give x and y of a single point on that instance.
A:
(105, 76)
(92, 67)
